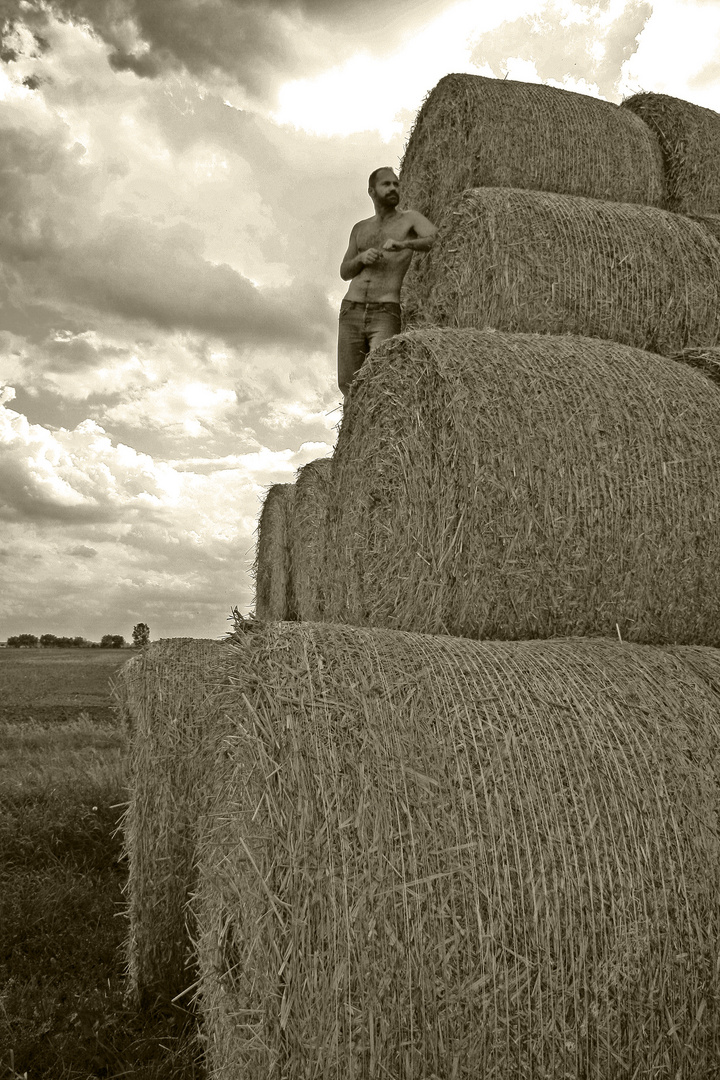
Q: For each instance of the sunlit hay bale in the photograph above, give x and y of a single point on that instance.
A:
(689, 138)
(164, 692)
(429, 856)
(312, 490)
(559, 264)
(272, 570)
(477, 132)
(492, 485)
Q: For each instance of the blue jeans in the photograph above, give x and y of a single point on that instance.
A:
(361, 328)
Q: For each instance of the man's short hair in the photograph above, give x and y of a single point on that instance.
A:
(376, 172)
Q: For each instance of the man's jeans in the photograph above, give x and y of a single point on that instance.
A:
(362, 327)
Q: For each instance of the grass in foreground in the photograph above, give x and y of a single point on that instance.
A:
(63, 1012)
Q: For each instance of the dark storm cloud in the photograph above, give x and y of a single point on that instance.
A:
(141, 271)
(57, 255)
(252, 42)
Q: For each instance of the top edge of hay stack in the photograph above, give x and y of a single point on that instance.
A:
(477, 132)
(689, 137)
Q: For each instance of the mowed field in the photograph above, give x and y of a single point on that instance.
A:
(63, 777)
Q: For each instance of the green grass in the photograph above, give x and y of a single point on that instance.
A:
(63, 1006)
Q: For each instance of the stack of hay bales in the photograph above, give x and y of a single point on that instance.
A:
(519, 249)
(407, 853)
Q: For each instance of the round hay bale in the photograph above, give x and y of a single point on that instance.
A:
(689, 138)
(477, 132)
(431, 857)
(558, 264)
(312, 490)
(274, 599)
(492, 485)
(164, 694)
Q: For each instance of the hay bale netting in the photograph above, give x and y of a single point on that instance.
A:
(164, 694)
(312, 490)
(432, 857)
(274, 598)
(477, 132)
(689, 138)
(492, 485)
(558, 264)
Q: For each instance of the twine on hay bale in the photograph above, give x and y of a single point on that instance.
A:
(558, 264)
(163, 692)
(492, 485)
(432, 857)
(689, 138)
(312, 490)
(274, 598)
(477, 132)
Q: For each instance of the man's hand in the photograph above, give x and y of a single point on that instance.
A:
(370, 256)
(394, 245)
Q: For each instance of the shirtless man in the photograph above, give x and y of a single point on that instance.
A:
(375, 263)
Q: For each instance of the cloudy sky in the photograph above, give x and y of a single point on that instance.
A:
(178, 179)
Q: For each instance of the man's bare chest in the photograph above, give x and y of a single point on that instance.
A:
(370, 234)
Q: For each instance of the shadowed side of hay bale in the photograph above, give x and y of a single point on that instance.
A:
(274, 599)
(477, 132)
(436, 857)
(557, 264)
(493, 485)
(705, 360)
(312, 490)
(163, 693)
(689, 138)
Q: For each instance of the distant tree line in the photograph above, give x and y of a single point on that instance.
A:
(50, 641)
(140, 638)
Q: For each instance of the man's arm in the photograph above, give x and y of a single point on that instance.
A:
(425, 233)
(354, 261)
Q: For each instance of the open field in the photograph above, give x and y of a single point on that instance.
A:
(57, 684)
(63, 1013)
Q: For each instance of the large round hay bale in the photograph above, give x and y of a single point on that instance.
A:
(432, 857)
(272, 571)
(493, 485)
(689, 138)
(705, 360)
(163, 694)
(477, 132)
(312, 489)
(558, 264)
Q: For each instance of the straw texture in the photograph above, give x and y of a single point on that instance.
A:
(706, 360)
(437, 858)
(312, 490)
(163, 693)
(557, 264)
(689, 138)
(493, 485)
(274, 597)
(477, 132)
